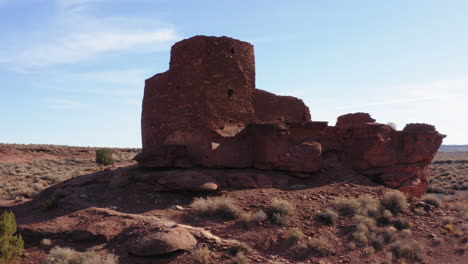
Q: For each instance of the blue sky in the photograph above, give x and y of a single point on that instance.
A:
(72, 71)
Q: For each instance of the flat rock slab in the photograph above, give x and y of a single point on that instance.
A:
(163, 242)
(188, 180)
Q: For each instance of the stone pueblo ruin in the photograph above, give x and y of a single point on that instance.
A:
(205, 112)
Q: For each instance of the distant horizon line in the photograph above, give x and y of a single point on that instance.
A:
(82, 146)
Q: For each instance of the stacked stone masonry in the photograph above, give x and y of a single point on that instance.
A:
(206, 112)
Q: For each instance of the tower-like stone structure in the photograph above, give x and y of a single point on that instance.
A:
(206, 112)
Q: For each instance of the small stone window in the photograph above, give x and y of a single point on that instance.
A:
(230, 93)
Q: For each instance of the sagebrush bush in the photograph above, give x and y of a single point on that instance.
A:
(223, 207)
(432, 200)
(240, 247)
(369, 206)
(240, 258)
(320, 246)
(279, 219)
(59, 255)
(259, 216)
(366, 221)
(104, 157)
(408, 250)
(360, 237)
(46, 242)
(248, 219)
(369, 251)
(282, 207)
(328, 216)
(279, 211)
(387, 235)
(295, 235)
(395, 201)
(405, 233)
(448, 220)
(201, 255)
(401, 224)
(385, 218)
(346, 207)
(11, 243)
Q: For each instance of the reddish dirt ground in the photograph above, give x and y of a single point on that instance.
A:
(104, 211)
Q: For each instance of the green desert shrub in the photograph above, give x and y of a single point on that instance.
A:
(395, 201)
(104, 157)
(328, 216)
(59, 255)
(11, 243)
(346, 207)
(223, 207)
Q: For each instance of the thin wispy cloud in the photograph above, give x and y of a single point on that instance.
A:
(80, 46)
(76, 35)
(64, 104)
(121, 82)
(407, 94)
(403, 94)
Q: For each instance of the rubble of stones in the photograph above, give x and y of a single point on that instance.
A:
(205, 112)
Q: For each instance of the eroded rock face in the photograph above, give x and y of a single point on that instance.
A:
(205, 112)
(398, 159)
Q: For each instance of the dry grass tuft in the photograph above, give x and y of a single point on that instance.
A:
(59, 255)
(249, 219)
(432, 200)
(320, 246)
(201, 255)
(279, 211)
(369, 206)
(328, 216)
(448, 220)
(282, 207)
(223, 207)
(346, 207)
(395, 201)
(240, 258)
(408, 250)
(46, 242)
(295, 235)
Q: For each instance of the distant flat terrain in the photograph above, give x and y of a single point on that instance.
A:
(453, 148)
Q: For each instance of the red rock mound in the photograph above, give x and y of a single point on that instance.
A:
(205, 111)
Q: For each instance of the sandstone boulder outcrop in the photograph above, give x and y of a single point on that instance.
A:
(162, 242)
(206, 112)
